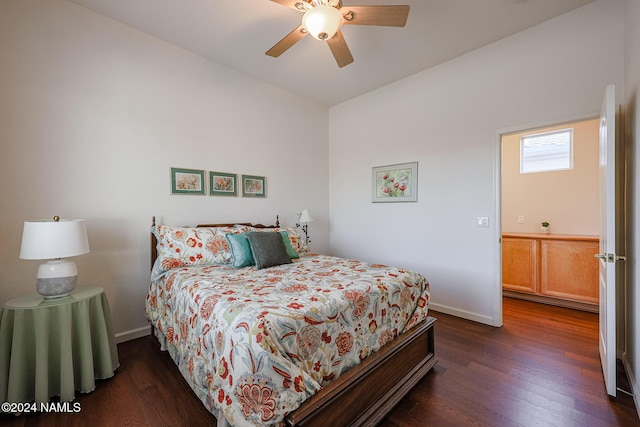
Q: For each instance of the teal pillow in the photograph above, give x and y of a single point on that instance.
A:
(268, 249)
(240, 250)
(287, 245)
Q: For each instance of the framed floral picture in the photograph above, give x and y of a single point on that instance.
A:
(253, 186)
(395, 183)
(187, 181)
(222, 184)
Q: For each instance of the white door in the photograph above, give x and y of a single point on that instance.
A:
(608, 229)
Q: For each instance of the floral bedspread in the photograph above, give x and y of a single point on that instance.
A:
(254, 344)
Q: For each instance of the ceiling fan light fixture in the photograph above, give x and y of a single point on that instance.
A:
(323, 21)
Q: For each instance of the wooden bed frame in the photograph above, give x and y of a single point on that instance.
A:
(368, 391)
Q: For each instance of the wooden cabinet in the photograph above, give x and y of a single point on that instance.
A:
(520, 264)
(551, 268)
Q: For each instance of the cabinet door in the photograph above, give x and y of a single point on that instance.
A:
(519, 264)
(569, 270)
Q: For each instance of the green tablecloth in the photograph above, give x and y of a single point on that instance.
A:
(54, 347)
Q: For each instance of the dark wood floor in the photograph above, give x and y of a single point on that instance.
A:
(541, 369)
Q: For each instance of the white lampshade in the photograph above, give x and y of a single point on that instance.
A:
(54, 240)
(50, 239)
(305, 217)
(322, 21)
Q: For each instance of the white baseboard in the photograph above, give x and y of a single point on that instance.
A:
(133, 334)
(631, 377)
(469, 315)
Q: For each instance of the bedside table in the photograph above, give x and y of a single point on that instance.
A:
(52, 347)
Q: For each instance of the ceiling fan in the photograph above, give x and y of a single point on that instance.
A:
(323, 19)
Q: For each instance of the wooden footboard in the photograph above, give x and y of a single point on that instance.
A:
(365, 394)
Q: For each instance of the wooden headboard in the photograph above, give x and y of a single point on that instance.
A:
(154, 241)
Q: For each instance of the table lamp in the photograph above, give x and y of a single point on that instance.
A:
(55, 240)
(304, 218)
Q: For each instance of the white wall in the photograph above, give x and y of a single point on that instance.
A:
(448, 118)
(567, 199)
(631, 106)
(92, 116)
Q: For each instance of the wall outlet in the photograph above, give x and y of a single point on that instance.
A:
(521, 219)
(482, 221)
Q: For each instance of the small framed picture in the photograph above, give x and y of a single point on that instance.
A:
(395, 183)
(187, 181)
(222, 184)
(253, 186)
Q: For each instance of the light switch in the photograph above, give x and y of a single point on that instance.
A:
(483, 221)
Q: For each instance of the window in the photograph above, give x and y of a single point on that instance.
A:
(548, 151)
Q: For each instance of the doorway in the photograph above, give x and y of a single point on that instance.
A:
(550, 215)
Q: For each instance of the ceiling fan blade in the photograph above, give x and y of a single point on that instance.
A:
(340, 50)
(289, 40)
(292, 4)
(387, 16)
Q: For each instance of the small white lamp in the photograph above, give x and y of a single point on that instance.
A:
(304, 218)
(55, 240)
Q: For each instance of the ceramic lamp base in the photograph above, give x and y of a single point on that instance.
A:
(57, 278)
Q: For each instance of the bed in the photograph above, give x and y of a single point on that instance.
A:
(306, 340)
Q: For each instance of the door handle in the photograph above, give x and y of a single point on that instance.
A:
(611, 257)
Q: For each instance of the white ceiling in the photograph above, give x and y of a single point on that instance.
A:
(236, 33)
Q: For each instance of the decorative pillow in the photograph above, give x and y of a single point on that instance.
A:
(268, 249)
(297, 241)
(184, 246)
(287, 245)
(240, 250)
